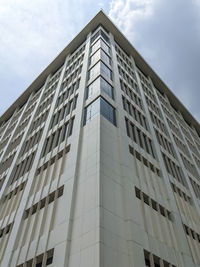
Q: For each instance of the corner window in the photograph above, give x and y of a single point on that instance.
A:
(106, 88)
(93, 88)
(97, 34)
(98, 85)
(106, 71)
(92, 110)
(100, 44)
(107, 111)
(94, 71)
(100, 54)
(100, 67)
(100, 106)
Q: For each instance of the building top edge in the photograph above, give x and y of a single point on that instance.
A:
(101, 18)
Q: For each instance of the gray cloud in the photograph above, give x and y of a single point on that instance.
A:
(167, 35)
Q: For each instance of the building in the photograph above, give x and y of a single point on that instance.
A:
(99, 163)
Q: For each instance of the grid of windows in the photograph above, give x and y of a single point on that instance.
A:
(58, 136)
(129, 92)
(173, 169)
(44, 259)
(139, 137)
(43, 202)
(164, 142)
(146, 162)
(23, 167)
(152, 203)
(181, 194)
(134, 112)
(191, 233)
(151, 260)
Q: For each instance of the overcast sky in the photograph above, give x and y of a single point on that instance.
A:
(166, 33)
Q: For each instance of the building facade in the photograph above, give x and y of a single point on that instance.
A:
(99, 163)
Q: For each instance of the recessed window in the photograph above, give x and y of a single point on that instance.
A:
(100, 106)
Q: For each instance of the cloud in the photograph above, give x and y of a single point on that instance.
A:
(167, 35)
(32, 35)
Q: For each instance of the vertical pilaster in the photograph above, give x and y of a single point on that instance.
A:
(19, 214)
(176, 214)
(187, 179)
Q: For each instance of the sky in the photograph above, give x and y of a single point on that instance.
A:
(166, 33)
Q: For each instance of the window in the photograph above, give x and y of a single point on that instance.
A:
(157, 262)
(105, 57)
(106, 88)
(106, 71)
(100, 67)
(98, 44)
(94, 71)
(107, 111)
(100, 54)
(98, 84)
(92, 110)
(94, 58)
(100, 106)
(93, 88)
(39, 259)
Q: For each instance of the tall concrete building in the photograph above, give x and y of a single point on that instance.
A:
(99, 163)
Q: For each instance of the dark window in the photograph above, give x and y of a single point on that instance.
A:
(107, 111)
(105, 70)
(127, 127)
(49, 261)
(106, 88)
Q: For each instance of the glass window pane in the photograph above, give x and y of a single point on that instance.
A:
(95, 57)
(105, 57)
(107, 111)
(100, 106)
(92, 110)
(93, 88)
(105, 36)
(98, 44)
(94, 71)
(95, 46)
(105, 47)
(94, 37)
(105, 70)
(106, 88)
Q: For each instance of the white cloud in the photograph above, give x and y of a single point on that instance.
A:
(127, 13)
(26, 29)
(167, 34)
(32, 33)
